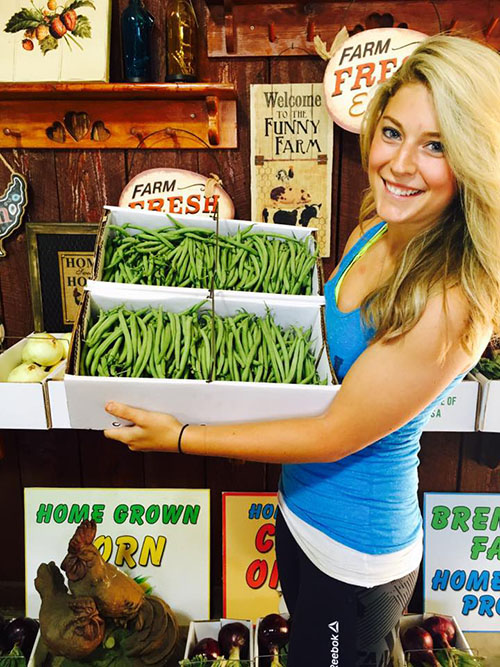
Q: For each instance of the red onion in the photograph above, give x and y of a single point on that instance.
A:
(273, 634)
(418, 642)
(208, 648)
(442, 631)
(233, 640)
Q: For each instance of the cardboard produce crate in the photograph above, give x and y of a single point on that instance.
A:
(200, 629)
(24, 404)
(410, 620)
(489, 404)
(258, 658)
(458, 410)
(196, 401)
(152, 220)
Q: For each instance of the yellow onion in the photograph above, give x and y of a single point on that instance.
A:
(43, 349)
(27, 372)
(64, 340)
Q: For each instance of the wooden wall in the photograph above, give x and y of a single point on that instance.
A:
(73, 186)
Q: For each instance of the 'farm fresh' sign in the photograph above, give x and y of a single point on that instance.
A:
(359, 65)
(462, 558)
(176, 192)
(158, 535)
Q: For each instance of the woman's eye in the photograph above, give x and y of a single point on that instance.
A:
(390, 133)
(436, 147)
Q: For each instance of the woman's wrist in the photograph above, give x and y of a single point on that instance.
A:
(193, 440)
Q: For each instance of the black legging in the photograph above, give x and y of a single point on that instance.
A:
(334, 624)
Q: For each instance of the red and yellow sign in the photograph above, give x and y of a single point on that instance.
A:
(359, 65)
(250, 574)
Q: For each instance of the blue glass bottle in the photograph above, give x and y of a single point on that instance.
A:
(136, 28)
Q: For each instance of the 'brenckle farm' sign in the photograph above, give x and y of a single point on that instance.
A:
(359, 65)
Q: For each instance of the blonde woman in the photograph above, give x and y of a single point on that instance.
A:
(411, 306)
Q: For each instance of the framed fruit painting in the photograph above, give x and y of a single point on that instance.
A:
(54, 40)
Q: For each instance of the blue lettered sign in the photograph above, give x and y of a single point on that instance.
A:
(462, 558)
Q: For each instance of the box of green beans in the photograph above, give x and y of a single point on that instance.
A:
(205, 360)
(144, 248)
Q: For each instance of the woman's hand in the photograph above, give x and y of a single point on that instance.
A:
(150, 431)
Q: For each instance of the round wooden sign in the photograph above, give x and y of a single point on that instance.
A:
(359, 65)
(175, 191)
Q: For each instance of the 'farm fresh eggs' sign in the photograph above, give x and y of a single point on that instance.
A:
(359, 65)
(462, 558)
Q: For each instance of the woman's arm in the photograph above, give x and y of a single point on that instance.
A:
(388, 385)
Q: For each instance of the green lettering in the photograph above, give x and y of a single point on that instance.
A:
(44, 512)
(191, 514)
(480, 518)
(172, 513)
(460, 517)
(440, 516)
(120, 513)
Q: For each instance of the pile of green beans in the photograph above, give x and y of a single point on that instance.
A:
(195, 344)
(181, 256)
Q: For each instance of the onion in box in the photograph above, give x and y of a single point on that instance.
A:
(43, 349)
(28, 372)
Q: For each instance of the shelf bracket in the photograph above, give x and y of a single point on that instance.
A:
(213, 120)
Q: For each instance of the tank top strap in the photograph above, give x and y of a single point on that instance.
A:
(357, 251)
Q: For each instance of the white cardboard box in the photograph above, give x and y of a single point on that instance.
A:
(200, 629)
(58, 406)
(409, 620)
(457, 412)
(119, 216)
(489, 404)
(256, 637)
(196, 401)
(24, 404)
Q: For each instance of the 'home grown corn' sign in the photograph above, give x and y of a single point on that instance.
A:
(160, 537)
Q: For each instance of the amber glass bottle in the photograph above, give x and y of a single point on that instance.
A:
(182, 40)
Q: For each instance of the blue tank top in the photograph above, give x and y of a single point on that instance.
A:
(367, 500)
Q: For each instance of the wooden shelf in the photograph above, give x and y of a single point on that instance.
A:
(242, 28)
(117, 115)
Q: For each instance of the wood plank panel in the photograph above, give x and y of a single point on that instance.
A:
(87, 181)
(266, 29)
(11, 511)
(480, 471)
(106, 463)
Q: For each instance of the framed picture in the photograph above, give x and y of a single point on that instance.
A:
(54, 40)
(61, 257)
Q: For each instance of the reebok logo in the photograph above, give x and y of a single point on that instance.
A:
(334, 639)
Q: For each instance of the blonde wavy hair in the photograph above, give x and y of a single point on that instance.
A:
(463, 247)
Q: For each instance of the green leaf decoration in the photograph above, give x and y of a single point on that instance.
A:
(82, 28)
(76, 4)
(23, 20)
(49, 43)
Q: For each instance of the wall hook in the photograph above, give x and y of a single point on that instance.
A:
(271, 29)
(310, 30)
(229, 27)
(491, 27)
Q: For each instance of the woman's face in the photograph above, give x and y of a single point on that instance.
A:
(409, 175)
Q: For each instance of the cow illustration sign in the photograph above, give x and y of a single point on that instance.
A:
(359, 65)
(176, 191)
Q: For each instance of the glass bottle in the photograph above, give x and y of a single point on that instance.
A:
(182, 40)
(136, 28)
